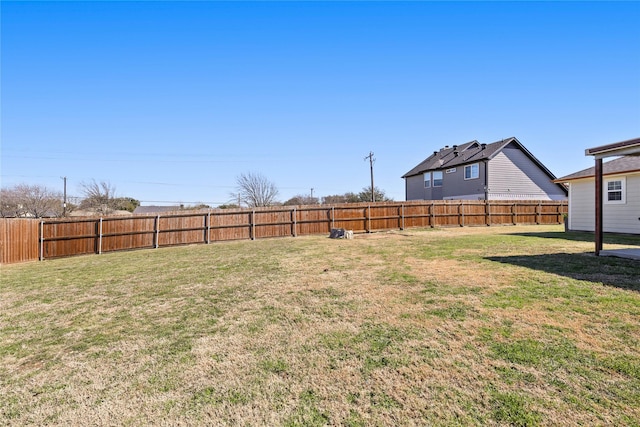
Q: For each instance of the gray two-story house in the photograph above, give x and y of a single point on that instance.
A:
(503, 170)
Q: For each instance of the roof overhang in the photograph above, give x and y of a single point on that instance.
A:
(592, 176)
(630, 147)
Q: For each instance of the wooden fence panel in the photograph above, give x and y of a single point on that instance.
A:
(127, 233)
(181, 229)
(230, 225)
(18, 240)
(500, 213)
(313, 220)
(446, 214)
(70, 237)
(473, 213)
(351, 218)
(273, 223)
(525, 213)
(386, 216)
(417, 215)
(552, 213)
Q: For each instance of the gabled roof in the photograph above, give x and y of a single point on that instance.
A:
(469, 152)
(613, 167)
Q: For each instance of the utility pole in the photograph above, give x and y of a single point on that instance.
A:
(371, 160)
(64, 201)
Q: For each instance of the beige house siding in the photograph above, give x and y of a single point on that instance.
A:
(582, 205)
(617, 218)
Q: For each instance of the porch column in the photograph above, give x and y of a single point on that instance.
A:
(599, 233)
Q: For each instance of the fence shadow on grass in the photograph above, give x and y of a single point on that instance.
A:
(616, 272)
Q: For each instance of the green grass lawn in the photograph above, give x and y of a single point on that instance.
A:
(462, 326)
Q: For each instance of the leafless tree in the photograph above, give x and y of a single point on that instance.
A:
(255, 190)
(100, 197)
(9, 204)
(24, 200)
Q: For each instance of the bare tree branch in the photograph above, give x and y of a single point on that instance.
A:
(100, 197)
(30, 200)
(255, 190)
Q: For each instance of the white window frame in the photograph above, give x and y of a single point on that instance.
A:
(477, 168)
(441, 178)
(427, 182)
(622, 191)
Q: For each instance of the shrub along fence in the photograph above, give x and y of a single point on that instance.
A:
(32, 239)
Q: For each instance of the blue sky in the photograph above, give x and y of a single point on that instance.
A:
(171, 101)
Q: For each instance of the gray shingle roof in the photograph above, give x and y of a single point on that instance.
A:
(469, 152)
(616, 166)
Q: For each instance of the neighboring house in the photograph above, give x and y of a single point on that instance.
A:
(503, 170)
(620, 201)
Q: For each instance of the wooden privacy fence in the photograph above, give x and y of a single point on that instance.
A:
(31, 239)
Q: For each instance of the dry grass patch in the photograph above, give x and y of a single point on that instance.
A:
(471, 326)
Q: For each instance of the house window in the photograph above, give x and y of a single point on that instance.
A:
(427, 179)
(437, 179)
(471, 171)
(615, 191)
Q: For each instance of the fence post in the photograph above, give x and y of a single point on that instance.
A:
(487, 215)
(156, 229)
(294, 220)
(100, 236)
(402, 216)
(333, 217)
(513, 213)
(461, 211)
(539, 213)
(367, 218)
(207, 228)
(432, 215)
(41, 254)
(252, 224)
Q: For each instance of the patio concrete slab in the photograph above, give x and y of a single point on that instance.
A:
(623, 253)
